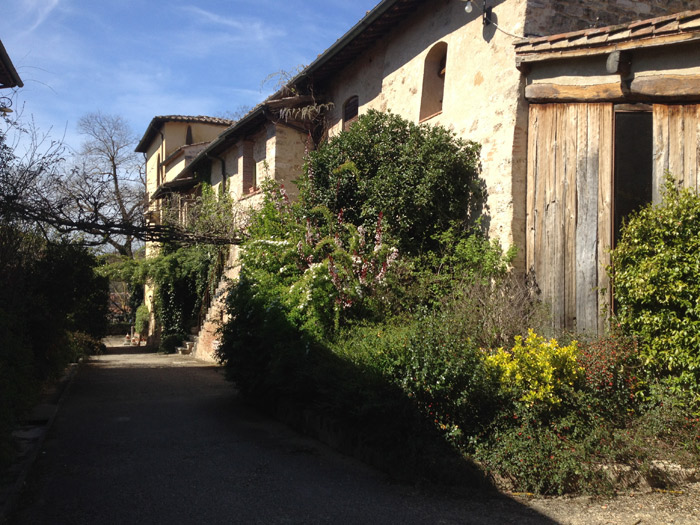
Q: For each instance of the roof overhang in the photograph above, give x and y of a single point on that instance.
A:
(9, 77)
(363, 35)
(177, 185)
(646, 61)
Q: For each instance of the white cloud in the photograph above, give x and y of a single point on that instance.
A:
(39, 10)
(244, 28)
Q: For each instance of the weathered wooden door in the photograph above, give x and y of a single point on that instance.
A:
(569, 228)
(676, 145)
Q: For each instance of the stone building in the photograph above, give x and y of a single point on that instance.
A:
(435, 63)
(169, 145)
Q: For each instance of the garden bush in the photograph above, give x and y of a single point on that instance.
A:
(612, 374)
(170, 342)
(656, 280)
(536, 370)
(48, 292)
(344, 307)
(142, 320)
(83, 345)
(420, 177)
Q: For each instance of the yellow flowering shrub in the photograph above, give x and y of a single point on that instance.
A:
(537, 370)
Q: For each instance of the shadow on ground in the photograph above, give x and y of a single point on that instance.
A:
(156, 438)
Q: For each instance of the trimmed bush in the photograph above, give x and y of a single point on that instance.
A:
(83, 345)
(52, 311)
(170, 342)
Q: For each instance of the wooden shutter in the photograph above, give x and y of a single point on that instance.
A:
(569, 215)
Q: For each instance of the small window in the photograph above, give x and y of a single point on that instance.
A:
(350, 110)
(188, 136)
(434, 73)
(159, 176)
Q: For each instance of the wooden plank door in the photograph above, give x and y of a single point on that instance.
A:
(568, 209)
(676, 145)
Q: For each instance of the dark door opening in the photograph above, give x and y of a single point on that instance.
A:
(634, 154)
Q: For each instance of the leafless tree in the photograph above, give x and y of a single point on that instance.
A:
(108, 180)
(96, 197)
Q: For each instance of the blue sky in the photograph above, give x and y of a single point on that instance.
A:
(141, 58)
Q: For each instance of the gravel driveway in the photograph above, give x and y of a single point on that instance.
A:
(149, 438)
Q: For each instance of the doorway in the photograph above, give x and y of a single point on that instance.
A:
(633, 165)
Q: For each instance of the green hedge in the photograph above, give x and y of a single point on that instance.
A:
(656, 279)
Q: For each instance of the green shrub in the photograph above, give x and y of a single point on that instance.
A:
(422, 178)
(612, 374)
(170, 342)
(665, 430)
(142, 319)
(656, 278)
(48, 290)
(548, 452)
(84, 345)
(446, 375)
(537, 371)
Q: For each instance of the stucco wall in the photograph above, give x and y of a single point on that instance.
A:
(171, 137)
(290, 148)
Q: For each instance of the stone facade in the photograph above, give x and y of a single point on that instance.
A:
(390, 77)
(170, 144)
(435, 64)
(483, 91)
(550, 17)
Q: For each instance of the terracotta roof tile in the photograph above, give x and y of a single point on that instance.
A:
(193, 118)
(679, 23)
(599, 38)
(619, 35)
(643, 30)
(640, 23)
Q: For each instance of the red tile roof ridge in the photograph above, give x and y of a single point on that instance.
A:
(633, 27)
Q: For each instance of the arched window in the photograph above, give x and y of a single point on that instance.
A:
(433, 81)
(350, 110)
(188, 136)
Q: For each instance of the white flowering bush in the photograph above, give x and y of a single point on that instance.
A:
(322, 270)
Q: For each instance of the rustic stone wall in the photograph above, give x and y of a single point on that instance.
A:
(482, 98)
(549, 17)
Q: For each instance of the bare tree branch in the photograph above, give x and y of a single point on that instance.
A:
(98, 200)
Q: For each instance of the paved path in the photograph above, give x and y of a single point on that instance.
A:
(148, 438)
